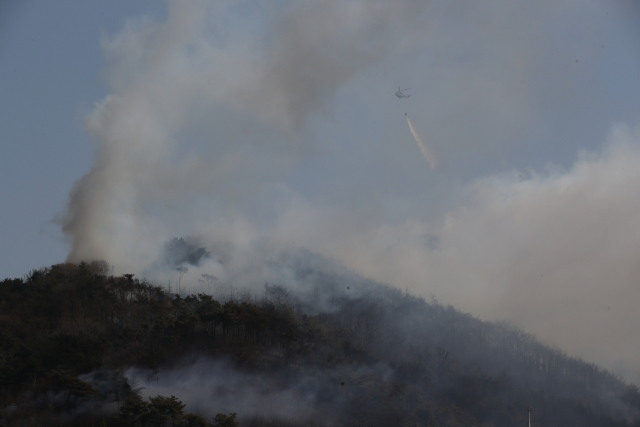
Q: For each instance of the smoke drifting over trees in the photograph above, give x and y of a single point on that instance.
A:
(257, 128)
(179, 251)
(346, 351)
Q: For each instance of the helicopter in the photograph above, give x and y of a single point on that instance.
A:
(401, 95)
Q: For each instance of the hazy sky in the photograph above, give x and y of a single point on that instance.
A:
(259, 126)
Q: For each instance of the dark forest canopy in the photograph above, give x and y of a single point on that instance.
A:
(367, 354)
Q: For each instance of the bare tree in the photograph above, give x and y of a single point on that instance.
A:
(277, 295)
(208, 280)
(244, 295)
(232, 290)
(182, 270)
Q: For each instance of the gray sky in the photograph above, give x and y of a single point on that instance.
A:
(259, 126)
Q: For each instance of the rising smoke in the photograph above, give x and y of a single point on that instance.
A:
(257, 128)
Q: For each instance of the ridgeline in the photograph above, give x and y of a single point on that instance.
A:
(368, 355)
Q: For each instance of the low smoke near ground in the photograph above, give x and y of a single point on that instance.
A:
(251, 130)
(212, 386)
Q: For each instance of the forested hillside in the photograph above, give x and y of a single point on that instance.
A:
(340, 349)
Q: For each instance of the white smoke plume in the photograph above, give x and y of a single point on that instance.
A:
(554, 252)
(257, 127)
(198, 105)
(422, 146)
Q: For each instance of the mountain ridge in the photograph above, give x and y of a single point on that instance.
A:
(336, 349)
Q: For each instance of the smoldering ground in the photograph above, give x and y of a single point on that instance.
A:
(260, 127)
(211, 386)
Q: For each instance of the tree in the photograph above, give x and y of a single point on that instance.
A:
(182, 270)
(192, 420)
(208, 312)
(277, 295)
(208, 280)
(164, 409)
(134, 409)
(222, 420)
(66, 380)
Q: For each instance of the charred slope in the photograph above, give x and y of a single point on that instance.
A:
(341, 349)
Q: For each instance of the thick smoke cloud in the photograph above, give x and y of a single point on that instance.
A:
(255, 93)
(555, 252)
(258, 128)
